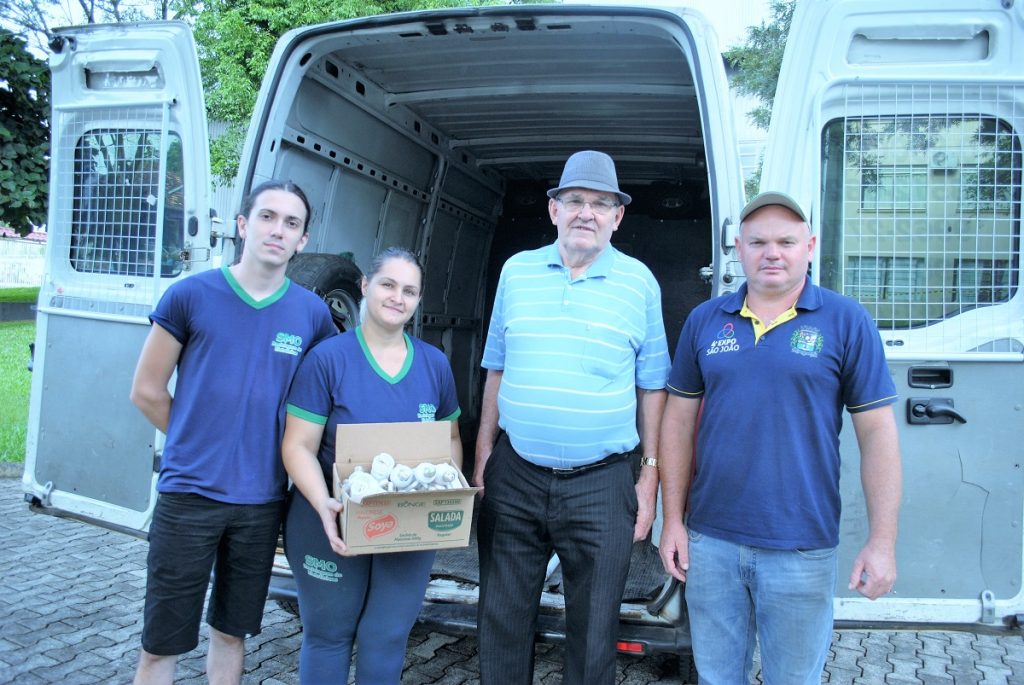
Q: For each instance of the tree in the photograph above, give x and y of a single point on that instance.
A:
(26, 27)
(235, 39)
(757, 63)
(29, 19)
(24, 135)
(34, 20)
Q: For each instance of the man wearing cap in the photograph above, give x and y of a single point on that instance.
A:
(576, 360)
(774, 364)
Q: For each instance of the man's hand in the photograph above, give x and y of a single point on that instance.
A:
(483, 453)
(874, 571)
(488, 432)
(647, 502)
(675, 550)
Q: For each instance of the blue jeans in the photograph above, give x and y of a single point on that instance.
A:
(738, 595)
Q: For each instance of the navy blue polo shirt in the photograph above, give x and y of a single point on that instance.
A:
(768, 442)
(341, 382)
(237, 361)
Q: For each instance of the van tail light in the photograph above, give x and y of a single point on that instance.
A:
(635, 648)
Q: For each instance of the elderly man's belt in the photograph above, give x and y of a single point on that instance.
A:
(576, 470)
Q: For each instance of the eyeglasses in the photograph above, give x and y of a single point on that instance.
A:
(576, 204)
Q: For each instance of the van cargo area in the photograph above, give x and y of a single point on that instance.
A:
(443, 132)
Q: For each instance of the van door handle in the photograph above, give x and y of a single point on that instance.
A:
(730, 231)
(923, 410)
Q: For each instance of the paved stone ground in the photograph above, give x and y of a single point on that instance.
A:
(71, 612)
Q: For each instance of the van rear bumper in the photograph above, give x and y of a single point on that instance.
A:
(460, 619)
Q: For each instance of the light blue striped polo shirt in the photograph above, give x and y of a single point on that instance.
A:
(573, 352)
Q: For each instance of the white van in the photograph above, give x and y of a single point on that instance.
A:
(898, 127)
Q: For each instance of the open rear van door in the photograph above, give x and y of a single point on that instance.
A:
(900, 126)
(129, 214)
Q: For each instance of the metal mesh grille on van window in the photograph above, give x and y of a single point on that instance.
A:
(921, 208)
(110, 219)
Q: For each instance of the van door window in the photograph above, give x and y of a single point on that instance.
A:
(921, 213)
(116, 192)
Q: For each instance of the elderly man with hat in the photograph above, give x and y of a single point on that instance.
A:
(774, 364)
(576, 360)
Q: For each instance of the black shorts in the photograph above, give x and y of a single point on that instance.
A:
(190, 536)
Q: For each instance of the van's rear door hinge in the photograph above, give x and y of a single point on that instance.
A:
(988, 607)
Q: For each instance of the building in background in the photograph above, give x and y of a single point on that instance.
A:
(222, 197)
(21, 258)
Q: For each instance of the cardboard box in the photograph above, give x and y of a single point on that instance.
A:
(401, 521)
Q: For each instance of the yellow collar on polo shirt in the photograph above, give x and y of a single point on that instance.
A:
(760, 327)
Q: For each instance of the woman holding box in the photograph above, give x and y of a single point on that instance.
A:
(374, 374)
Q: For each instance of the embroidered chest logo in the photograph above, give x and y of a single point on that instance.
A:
(286, 343)
(807, 340)
(725, 341)
(427, 412)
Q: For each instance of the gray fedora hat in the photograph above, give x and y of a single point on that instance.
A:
(773, 198)
(592, 170)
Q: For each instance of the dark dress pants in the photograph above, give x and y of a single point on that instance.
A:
(588, 519)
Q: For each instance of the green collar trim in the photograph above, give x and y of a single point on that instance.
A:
(247, 298)
(373, 362)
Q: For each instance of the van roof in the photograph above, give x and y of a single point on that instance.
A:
(519, 89)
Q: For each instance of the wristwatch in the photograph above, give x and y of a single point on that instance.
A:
(649, 461)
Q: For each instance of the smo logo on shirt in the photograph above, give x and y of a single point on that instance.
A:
(286, 343)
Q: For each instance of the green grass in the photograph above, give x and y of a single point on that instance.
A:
(19, 295)
(15, 379)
